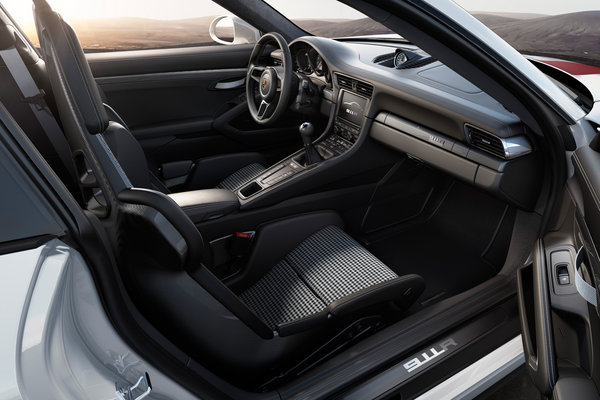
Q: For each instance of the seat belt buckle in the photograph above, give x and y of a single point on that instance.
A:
(229, 253)
(241, 242)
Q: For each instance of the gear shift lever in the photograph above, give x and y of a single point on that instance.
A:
(306, 131)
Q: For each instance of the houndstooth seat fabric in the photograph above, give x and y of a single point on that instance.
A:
(241, 176)
(326, 267)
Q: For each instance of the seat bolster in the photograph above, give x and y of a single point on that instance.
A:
(403, 290)
(303, 324)
(274, 240)
(128, 153)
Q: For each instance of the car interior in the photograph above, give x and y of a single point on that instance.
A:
(344, 194)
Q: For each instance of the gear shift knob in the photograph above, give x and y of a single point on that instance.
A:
(306, 131)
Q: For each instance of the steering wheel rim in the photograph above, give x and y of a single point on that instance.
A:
(273, 83)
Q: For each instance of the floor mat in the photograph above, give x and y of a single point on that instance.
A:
(447, 249)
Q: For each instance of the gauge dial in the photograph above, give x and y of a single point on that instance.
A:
(400, 58)
(303, 62)
(320, 67)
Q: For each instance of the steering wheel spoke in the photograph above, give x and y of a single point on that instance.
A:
(279, 71)
(264, 109)
(256, 71)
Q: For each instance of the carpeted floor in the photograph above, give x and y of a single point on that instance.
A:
(448, 249)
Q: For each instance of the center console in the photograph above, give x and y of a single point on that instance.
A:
(347, 124)
(274, 175)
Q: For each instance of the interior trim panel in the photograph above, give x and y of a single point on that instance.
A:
(475, 167)
(168, 60)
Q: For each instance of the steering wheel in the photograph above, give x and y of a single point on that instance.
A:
(269, 86)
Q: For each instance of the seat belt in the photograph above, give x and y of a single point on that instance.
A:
(35, 97)
(587, 291)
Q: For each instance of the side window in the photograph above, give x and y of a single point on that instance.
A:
(112, 25)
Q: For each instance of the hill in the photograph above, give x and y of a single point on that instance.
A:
(575, 36)
(509, 15)
(342, 27)
(137, 33)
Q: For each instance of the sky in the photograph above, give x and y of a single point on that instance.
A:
(80, 9)
(176, 9)
(550, 7)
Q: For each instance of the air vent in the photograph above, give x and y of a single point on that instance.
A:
(364, 88)
(485, 141)
(345, 82)
(355, 86)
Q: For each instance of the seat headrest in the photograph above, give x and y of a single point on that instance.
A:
(61, 47)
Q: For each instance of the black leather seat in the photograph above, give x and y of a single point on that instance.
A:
(59, 41)
(305, 281)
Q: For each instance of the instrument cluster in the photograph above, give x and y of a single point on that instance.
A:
(309, 62)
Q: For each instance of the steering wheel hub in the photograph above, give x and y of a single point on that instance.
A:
(268, 84)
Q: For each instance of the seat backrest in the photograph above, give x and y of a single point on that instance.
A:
(85, 121)
(78, 98)
(74, 67)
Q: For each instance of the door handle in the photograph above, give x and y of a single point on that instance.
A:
(228, 84)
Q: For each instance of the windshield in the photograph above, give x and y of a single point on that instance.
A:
(567, 30)
(328, 18)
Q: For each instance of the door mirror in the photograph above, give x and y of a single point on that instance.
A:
(232, 30)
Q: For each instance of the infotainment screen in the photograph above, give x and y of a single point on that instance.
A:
(352, 108)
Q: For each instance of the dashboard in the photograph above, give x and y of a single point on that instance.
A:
(398, 95)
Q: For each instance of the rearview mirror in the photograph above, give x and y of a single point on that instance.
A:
(232, 30)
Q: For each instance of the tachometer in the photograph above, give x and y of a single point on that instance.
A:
(303, 62)
(320, 66)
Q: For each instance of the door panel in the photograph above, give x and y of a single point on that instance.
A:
(566, 353)
(146, 100)
(587, 171)
(188, 103)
